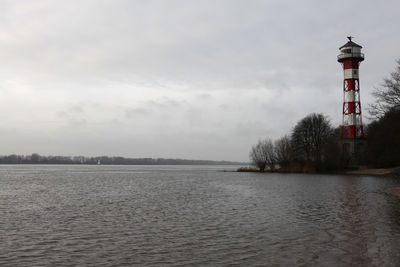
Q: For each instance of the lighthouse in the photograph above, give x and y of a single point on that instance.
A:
(352, 131)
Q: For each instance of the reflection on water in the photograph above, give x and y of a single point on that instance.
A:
(177, 216)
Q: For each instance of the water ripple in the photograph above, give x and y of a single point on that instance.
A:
(172, 216)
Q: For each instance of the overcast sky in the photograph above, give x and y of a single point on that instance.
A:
(200, 79)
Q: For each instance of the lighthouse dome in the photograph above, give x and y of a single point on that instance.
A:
(350, 44)
(350, 50)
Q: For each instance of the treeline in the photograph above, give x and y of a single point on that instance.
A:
(314, 145)
(383, 133)
(383, 140)
(105, 160)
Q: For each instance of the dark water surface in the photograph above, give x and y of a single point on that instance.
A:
(179, 216)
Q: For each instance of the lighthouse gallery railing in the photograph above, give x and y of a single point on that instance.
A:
(346, 55)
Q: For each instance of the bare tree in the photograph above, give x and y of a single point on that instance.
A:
(309, 136)
(388, 96)
(270, 154)
(257, 157)
(262, 155)
(283, 151)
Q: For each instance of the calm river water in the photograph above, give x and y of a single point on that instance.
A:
(191, 215)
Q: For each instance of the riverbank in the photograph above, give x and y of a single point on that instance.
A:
(367, 171)
(395, 190)
(360, 171)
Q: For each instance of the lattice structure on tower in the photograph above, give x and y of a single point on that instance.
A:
(352, 128)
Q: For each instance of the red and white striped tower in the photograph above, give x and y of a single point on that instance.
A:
(352, 133)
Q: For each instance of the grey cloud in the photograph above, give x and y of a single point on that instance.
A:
(133, 112)
(165, 102)
(167, 78)
(204, 96)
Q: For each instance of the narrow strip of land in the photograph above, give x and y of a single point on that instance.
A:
(374, 171)
(395, 191)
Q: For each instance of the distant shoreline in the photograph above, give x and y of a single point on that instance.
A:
(128, 164)
(107, 160)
